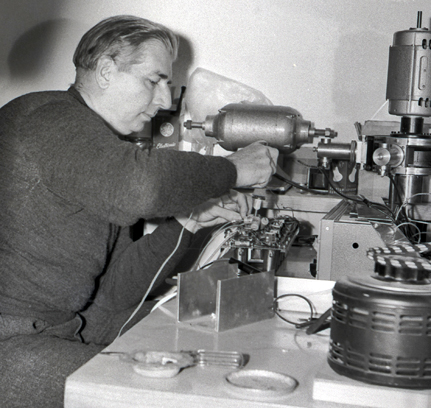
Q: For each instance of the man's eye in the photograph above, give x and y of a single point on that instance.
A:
(153, 83)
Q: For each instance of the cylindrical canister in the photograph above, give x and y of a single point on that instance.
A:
(409, 73)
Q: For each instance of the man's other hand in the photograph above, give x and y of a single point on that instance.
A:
(228, 208)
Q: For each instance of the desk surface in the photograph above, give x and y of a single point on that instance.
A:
(273, 345)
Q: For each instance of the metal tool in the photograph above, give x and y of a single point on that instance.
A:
(166, 364)
(232, 359)
(238, 125)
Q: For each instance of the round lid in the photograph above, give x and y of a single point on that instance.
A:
(260, 384)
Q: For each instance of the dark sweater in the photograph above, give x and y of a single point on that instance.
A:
(68, 188)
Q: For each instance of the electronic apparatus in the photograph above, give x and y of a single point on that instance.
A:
(406, 154)
(238, 125)
(380, 324)
(262, 242)
(403, 155)
(380, 330)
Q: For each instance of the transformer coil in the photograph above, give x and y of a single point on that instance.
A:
(381, 324)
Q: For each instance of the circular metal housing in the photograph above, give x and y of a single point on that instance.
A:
(380, 332)
(409, 73)
(380, 327)
(238, 125)
(391, 155)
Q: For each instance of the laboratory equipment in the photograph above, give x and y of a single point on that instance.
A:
(406, 154)
(380, 325)
(239, 124)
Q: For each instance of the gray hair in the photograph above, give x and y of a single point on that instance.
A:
(121, 38)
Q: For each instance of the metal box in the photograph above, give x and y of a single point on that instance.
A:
(345, 234)
(221, 298)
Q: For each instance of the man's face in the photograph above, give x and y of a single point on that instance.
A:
(134, 97)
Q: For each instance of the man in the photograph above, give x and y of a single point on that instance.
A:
(70, 277)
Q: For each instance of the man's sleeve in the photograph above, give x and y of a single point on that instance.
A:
(81, 160)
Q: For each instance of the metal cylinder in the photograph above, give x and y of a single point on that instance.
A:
(412, 125)
(407, 186)
(409, 73)
(388, 155)
(379, 332)
(337, 151)
(238, 125)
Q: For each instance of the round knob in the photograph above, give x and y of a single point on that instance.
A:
(402, 263)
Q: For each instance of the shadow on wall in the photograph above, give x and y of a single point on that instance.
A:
(33, 51)
(182, 65)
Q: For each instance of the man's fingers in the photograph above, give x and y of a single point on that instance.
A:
(239, 202)
(226, 214)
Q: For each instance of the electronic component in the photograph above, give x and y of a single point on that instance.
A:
(380, 325)
(165, 126)
(261, 241)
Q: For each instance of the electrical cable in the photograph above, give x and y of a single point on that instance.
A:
(322, 170)
(150, 287)
(163, 300)
(217, 249)
(397, 191)
(213, 238)
(412, 225)
(213, 235)
(296, 324)
(406, 202)
(338, 192)
(408, 221)
(378, 206)
(422, 222)
(299, 186)
(362, 200)
(401, 214)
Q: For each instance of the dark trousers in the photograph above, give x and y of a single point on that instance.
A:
(34, 366)
(34, 369)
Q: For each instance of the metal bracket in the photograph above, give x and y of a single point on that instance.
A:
(221, 297)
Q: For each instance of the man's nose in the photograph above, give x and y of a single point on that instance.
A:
(163, 98)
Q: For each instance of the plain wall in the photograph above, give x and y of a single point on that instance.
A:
(327, 59)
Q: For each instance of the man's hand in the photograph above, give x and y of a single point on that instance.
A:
(232, 207)
(255, 164)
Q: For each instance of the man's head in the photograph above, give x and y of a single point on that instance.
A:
(121, 37)
(124, 69)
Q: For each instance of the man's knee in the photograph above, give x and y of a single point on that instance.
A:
(35, 367)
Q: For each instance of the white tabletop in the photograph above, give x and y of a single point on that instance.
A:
(272, 345)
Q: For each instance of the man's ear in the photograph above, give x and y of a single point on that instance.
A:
(104, 71)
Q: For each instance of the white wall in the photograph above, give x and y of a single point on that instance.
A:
(328, 59)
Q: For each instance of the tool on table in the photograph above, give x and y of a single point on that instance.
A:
(219, 358)
(165, 364)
